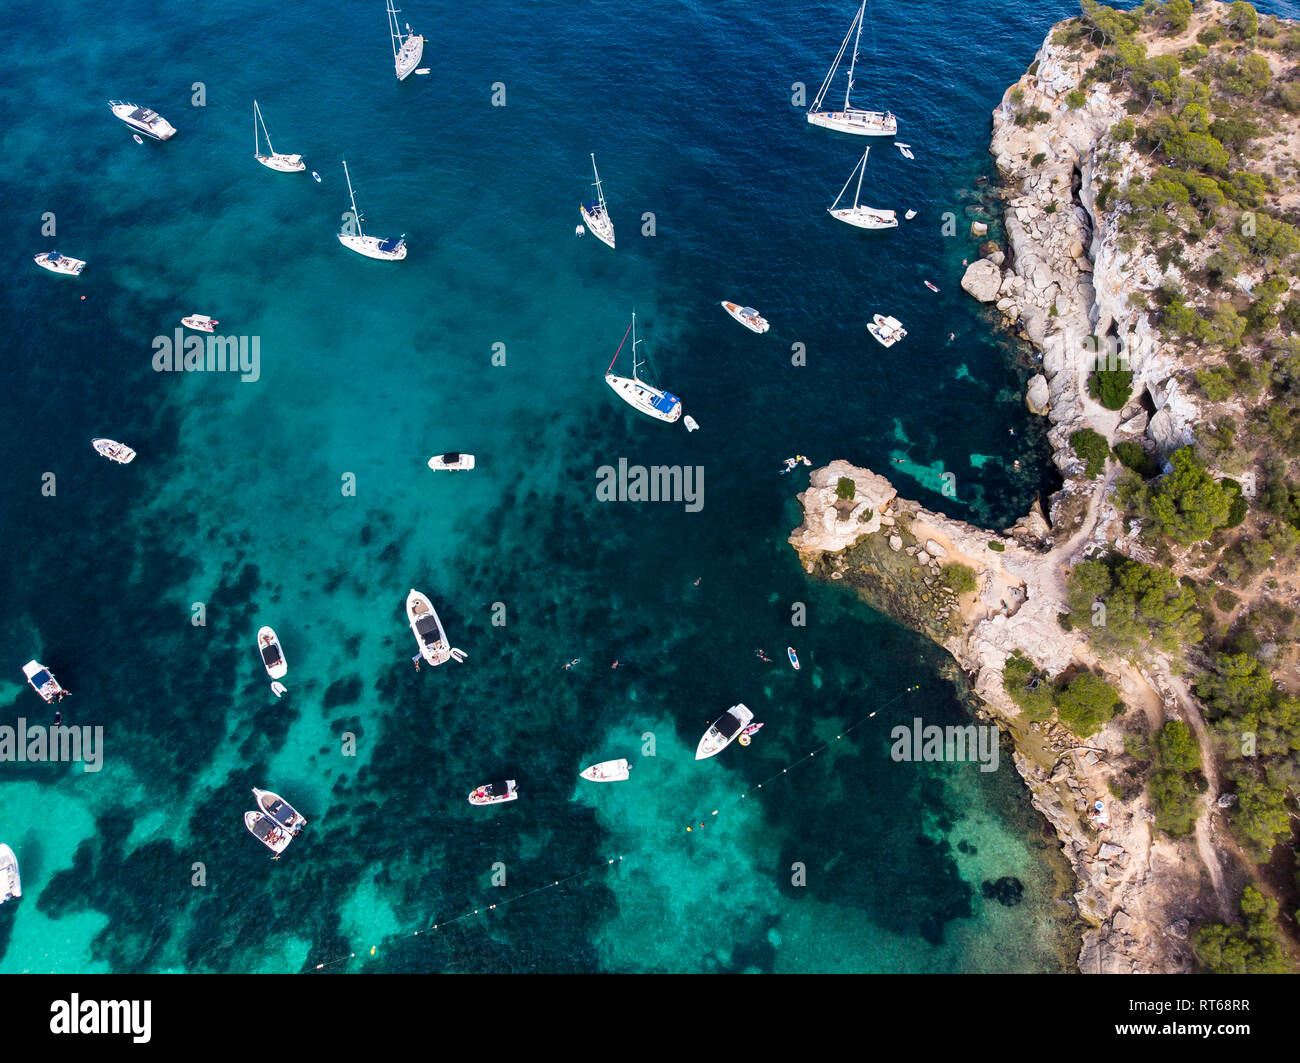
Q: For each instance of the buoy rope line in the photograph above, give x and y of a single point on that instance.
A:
(484, 909)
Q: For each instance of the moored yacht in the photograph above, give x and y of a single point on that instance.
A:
(452, 461)
(494, 793)
(424, 621)
(143, 120)
(887, 330)
(57, 263)
(114, 451)
(358, 241)
(268, 645)
(747, 316)
(267, 831)
(43, 681)
(851, 119)
(200, 323)
(653, 402)
(724, 730)
(279, 811)
(11, 885)
(860, 216)
(607, 771)
(596, 214)
(272, 160)
(408, 47)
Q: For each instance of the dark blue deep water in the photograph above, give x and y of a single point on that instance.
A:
(237, 498)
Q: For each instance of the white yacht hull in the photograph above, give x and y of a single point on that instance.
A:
(56, 263)
(408, 58)
(480, 796)
(272, 653)
(463, 463)
(420, 608)
(607, 771)
(42, 680)
(113, 450)
(599, 224)
(150, 123)
(200, 323)
(282, 163)
(11, 886)
(279, 811)
(865, 217)
(369, 246)
(855, 122)
(887, 331)
(267, 831)
(758, 324)
(643, 397)
(723, 731)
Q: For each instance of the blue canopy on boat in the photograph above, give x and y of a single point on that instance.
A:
(666, 402)
(391, 245)
(40, 678)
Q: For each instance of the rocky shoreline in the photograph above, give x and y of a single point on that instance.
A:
(1135, 889)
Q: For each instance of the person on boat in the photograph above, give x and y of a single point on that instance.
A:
(416, 661)
(697, 580)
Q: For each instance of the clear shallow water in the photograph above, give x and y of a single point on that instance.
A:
(367, 369)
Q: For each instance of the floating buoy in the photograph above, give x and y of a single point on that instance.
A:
(744, 740)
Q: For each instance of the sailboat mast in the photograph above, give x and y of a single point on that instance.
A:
(863, 174)
(600, 195)
(257, 144)
(634, 376)
(861, 18)
(356, 214)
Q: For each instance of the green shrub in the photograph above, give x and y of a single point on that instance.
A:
(1237, 511)
(1253, 947)
(958, 578)
(1087, 703)
(1124, 129)
(1091, 448)
(846, 488)
(1027, 687)
(1225, 599)
(1130, 454)
(1038, 159)
(1076, 98)
(1188, 505)
(1111, 387)
(997, 546)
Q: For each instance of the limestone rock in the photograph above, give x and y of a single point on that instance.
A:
(982, 279)
(1038, 396)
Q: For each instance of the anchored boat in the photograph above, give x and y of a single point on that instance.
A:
(607, 771)
(723, 731)
(279, 811)
(272, 160)
(370, 246)
(494, 793)
(424, 622)
(43, 681)
(851, 119)
(747, 316)
(887, 330)
(114, 451)
(268, 645)
(653, 402)
(200, 323)
(11, 886)
(857, 215)
(452, 461)
(143, 120)
(408, 47)
(57, 263)
(596, 214)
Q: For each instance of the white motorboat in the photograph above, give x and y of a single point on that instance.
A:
(57, 263)
(267, 831)
(607, 771)
(747, 316)
(200, 323)
(424, 621)
(858, 215)
(910, 215)
(596, 214)
(268, 645)
(723, 731)
(143, 120)
(11, 886)
(887, 330)
(408, 47)
(452, 461)
(851, 119)
(279, 811)
(114, 451)
(653, 402)
(272, 160)
(43, 682)
(494, 793)
(358, 241)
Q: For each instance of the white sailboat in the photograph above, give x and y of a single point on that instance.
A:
(851, 119)
(272, 160)
(596, 214)
(408, 48)
(653, 402)
(858, 215)
(370, 246)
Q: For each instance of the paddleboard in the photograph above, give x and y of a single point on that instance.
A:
(794, 657)
(931, 286)
(315, 176)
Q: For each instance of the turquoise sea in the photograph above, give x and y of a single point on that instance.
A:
(238, 499)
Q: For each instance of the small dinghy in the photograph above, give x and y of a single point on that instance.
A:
(910, 215)
(607, 771)
(794, 657)
(200, 322)
(452, 461)
(887, 330)
(494, 793)
(690, 423)
(137, 138)
(723, 731)
(279, 811)
(747, 316)
(931, 286)
(268, 644)
(43, 682)
(581, 230)
(279, 689)
(114, 451)
(424, 70)
(57, 263)
(11, 886)
(904, 149)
